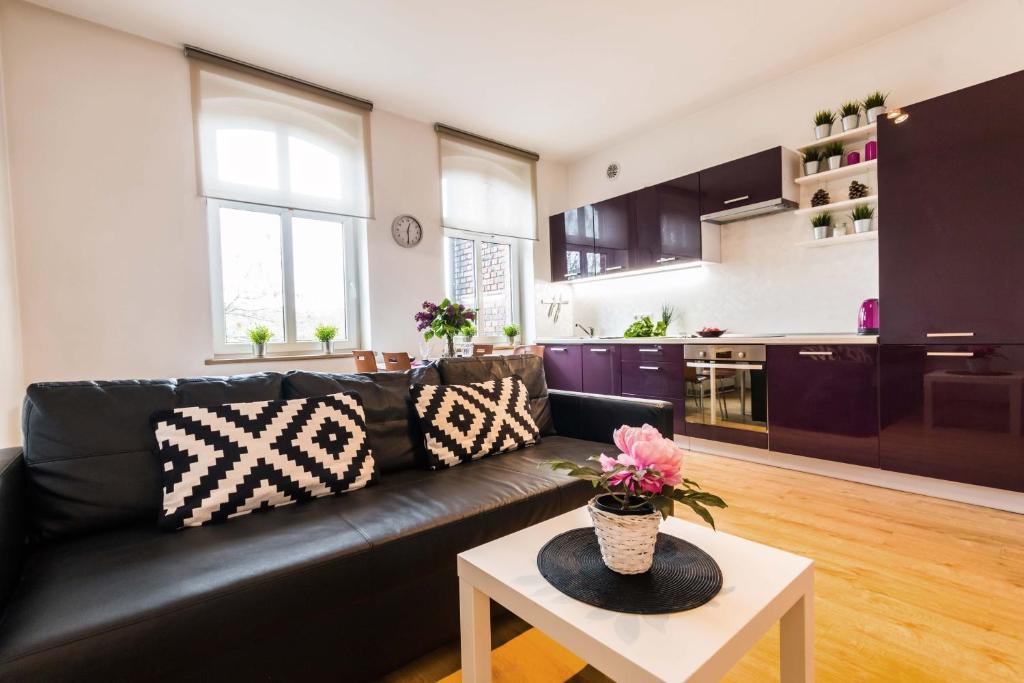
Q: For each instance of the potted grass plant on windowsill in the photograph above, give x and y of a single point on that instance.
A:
(259, 336)
(326, 334)
(511, 331)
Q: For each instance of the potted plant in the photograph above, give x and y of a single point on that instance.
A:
(820, 224)
(326, 335)
(511, 332)
(641, 484)
(862, 215)
(874, 105)
(849, 114)
(833, 151)
(667, 313)
(259, 336)
(444, 320)
(467, 333)
(823, 121)
(812, 159)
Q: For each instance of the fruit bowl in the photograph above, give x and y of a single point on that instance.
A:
(710, 332)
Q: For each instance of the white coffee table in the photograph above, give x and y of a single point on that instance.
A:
(761, 585)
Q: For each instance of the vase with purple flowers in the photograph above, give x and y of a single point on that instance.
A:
(444, 320)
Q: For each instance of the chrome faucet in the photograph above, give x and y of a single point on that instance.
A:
(588, 330)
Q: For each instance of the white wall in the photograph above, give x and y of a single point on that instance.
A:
(764, 282)
(110, 234)
(11, 378)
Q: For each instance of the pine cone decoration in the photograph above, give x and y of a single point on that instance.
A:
(858, 190)
(820, 198)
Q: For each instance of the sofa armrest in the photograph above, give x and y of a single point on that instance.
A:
(12, 520)
(594, 417)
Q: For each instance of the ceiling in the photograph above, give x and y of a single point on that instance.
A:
(561, 77)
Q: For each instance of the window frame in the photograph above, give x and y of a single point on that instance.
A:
(351, 279)
(515, 266)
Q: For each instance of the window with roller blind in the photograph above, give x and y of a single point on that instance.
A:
(488, 201)
(285, 173)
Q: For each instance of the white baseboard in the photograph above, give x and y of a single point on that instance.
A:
(984, 496)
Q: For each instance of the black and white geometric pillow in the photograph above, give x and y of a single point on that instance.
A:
(463, 422)
(229, 460)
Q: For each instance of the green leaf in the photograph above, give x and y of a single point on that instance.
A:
(428, 335)
(708, 499)
(691, 482)
(663, 504)
(699, 509)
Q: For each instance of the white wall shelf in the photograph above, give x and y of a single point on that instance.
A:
(837, 206)
(842, 172)
(855, 135)
(837, 241)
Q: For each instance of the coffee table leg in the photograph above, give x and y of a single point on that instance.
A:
(796, 656)
(475, 621)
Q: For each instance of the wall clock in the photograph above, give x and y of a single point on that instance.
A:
(406, 231)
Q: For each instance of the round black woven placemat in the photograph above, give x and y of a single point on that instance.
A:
(682, 577)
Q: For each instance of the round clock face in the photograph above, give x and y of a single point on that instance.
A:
(407, 231)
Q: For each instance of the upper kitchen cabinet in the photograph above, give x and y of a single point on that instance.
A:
(573, 249)
(612, 231)
(754, 185)
(951, 180)
(668, 226)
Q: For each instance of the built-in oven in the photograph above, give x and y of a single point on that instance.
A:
(727, 393)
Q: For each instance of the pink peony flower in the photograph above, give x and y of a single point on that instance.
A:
(658, 461)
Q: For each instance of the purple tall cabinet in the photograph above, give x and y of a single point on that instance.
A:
(951, 256)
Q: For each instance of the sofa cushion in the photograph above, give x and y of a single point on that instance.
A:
(469, 421)
(225, 461)
(89, 446)
(394, 429)
(481, 369)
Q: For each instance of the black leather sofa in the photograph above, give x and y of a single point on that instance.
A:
(344, 588)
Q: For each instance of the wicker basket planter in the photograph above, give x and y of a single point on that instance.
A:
(626, 537)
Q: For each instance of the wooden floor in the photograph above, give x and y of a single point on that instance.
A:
(908, 588)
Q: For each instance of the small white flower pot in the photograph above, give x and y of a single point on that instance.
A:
(862, 225)
(835, 162)
(874, 113)
(327, 347)
(811, 167)
(850, 122)
(820, 232)
(259, 350)
(822, 131)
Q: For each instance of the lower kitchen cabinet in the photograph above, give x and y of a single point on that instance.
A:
(822, 402)
(563, 367)
(954, 412)
(601, 371)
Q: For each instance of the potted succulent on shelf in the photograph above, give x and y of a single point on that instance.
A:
(862, 215)
(444, 320)
(874, 105)
(833, 152)
(511, 331)
(812, 160)
(820, 224)
(849, 114)
(823, 121)
(326, 335)
(641, 485)
(259, 336)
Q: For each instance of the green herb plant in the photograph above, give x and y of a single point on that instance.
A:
(812, 154)
(832, 149)
(260, 334)
(325, 333)
(824, 117)
(862, 212)
(875, 99)
(849, 109)
(821, 220)
(511, 331)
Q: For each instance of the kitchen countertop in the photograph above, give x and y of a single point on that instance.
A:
(801, 339)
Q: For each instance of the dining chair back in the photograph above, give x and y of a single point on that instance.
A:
(396, 361)
(366, 361)
(483, 349)
(535, 349)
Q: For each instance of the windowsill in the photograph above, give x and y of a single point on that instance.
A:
(275, 357)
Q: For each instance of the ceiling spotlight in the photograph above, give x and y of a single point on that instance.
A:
(901, 118)
(895, 113)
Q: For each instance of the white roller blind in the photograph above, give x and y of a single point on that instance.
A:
(265, 142)
(486, 191)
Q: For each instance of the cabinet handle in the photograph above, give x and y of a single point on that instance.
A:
(951, 354)
(648, 350)
(949, 334)
(648, 367)
(815, 353)
(558, 348)
(666, 259)
(611, 268)
(599, 350)
(736, 199)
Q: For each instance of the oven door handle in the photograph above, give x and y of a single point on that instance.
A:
(726, 366)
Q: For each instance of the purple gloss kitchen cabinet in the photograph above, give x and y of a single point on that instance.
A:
(749, 180)
(613, 229)
(572, 244)
(563, 367)
(823, 402)
(953, 412)
(951, 236)
(656, 371)
(602, 373)
(668, 222)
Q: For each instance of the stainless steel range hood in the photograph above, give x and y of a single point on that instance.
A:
(750, 210)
